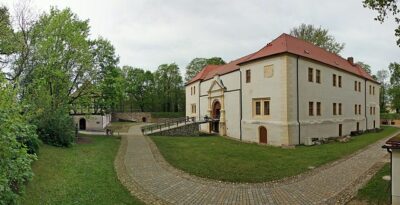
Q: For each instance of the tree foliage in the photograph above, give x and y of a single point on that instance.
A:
(317, 36)
(364, 66)
(169, 87)
(382, 76)
(140, 87)
(385, 8)
(197, 64)
(394, 91)
(18, 143)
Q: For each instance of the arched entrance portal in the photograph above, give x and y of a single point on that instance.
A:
(82, 124)
(263, 135)
(216, 114)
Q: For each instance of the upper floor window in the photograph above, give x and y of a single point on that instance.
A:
(310, 75)
(359, 86)
(340, 81)
(191, 90)
(359, 109)
(355, 109)
(373, 90)
(340, 109)
(355, 86)
(317, 76)
(334, 80)
(194, 90)
(334, 108)
(261, 107)
(318, 108)
(248, 76)
(310, 108)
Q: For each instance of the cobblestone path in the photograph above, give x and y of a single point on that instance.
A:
(145, 173)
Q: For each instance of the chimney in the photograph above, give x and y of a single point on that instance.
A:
(351, 60)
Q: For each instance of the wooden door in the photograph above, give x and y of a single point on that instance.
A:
(263, 135)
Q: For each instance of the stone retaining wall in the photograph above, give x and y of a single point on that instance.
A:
(184, 130)
(132, 116)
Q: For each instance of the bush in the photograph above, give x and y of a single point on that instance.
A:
(15, 161)
(56, 128)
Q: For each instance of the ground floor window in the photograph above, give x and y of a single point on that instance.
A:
(261, 107)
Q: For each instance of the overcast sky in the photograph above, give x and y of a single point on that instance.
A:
(147, 33)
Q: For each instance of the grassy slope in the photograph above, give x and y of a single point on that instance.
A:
(121, 126)
(229, 160)
(83, 174)
(377, 190)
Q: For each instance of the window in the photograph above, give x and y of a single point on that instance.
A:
(261, 107)
(340, 81)
(193, 108)
(191, 90)
(317, 76)
(194, 90)
(359, 109)
(318, 108)
(370, 110)
(266, 107)
(374, 110)
(334, 80)
(334, 108)
(355, 109)
(248, 76)
(310, 108)
(340, 108)
(258, 108)
(373, 90)
(359, 86)
(355, 85)
(310, 75)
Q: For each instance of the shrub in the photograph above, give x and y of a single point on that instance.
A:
(15, 161)
(56, 128)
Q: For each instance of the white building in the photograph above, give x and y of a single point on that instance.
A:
(285, 93)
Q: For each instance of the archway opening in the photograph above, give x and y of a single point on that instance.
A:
(144, 119)
(82, 124)
(263, 135)
(216, 114)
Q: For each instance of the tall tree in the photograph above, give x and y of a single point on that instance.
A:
(108, 78)
(317, 36)
(364, 66)
(7, 45)
(382, 76)
(140, 84)
(394, 90)
(197, 64)
(385, 8)
(170, 87)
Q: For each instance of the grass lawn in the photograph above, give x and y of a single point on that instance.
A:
(83, 174)
(377, 190)
(229, 160)
(121, 126)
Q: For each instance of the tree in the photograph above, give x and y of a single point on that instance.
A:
(6, 36)
(18, 144)
(108, 78)
(140, 85)
(364, 66)
(382, 76)
(385, 8)
(317, 36)
(169, 86)
(197, 64)
(59, 72)
(394, 90)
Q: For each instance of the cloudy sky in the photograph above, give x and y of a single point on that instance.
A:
(147, 33)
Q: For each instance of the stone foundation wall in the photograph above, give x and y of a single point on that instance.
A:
(131, 116)
(185, 130)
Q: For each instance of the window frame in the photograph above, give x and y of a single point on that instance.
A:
(248, 76)
(339, 108)
(334, 83)
(310, 108)
(310, 74)
(334, 107)
(318, 76)
(339, 81)
(318, 109)
(262, 107)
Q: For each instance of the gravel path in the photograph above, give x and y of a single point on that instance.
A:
(142, 169)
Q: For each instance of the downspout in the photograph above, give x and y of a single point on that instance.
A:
(240, 102)
(365, 104)
(297, 87)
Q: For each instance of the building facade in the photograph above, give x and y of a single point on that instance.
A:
(286, 93)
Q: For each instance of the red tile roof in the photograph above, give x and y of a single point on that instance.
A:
(286, 44)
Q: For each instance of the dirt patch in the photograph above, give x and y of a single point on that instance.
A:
(83, 140)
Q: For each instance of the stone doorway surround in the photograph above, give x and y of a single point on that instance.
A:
(216, 95)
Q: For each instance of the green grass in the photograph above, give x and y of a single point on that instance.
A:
(377, 190)
(121, 126)
(229, 160)
(83, 174)
(167, 114)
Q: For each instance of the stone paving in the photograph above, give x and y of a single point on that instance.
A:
(145, 173)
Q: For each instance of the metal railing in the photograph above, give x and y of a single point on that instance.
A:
(167, 124)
